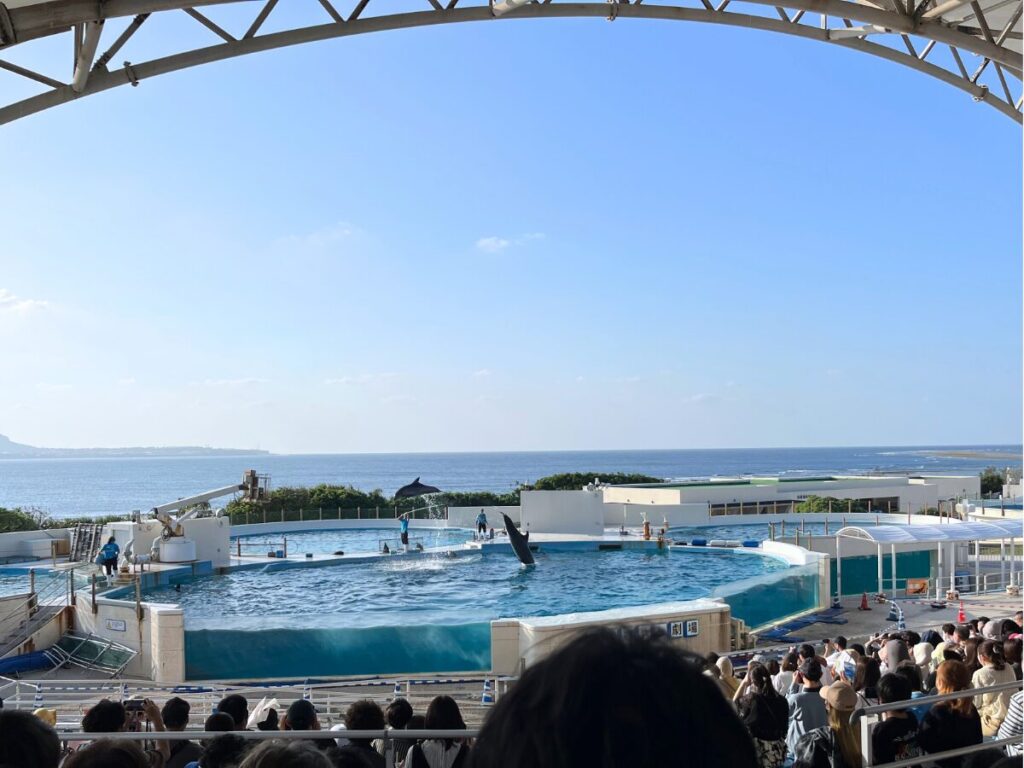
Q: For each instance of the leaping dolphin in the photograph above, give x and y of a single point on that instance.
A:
(415, 488)
(520, 543)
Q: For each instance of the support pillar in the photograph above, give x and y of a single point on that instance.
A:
(881, 582)
(977, 567)
(1002, 561)
(839, 568)
(893, 557)
(938, 571)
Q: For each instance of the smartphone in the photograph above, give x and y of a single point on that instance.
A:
(134, 705)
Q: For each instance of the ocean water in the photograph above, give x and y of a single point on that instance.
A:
(69, 487)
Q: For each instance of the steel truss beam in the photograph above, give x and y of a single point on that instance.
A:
(808, 19)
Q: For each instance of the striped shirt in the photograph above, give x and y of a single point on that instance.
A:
(1013, 724)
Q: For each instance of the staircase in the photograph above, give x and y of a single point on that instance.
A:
(43, 615)
(85, 542)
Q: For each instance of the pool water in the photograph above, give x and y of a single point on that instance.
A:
(400, 590)
(350, 540)
(424, 613)
(47, 584)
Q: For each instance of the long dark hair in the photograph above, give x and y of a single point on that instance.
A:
(761, 679)
(993, 653)
(971, 654)
(443, 714)
(867, 675)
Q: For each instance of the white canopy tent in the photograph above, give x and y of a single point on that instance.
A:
(940, 535)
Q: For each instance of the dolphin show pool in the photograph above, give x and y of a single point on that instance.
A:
(431, 611)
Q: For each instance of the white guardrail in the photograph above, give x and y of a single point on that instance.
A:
(870, 713)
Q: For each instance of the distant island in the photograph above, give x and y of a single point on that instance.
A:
(12, 450)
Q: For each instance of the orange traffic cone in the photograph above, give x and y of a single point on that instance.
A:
(961, 617)
(864, 603)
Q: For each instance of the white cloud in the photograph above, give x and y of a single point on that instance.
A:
(391, 399)
(362, 378)
(128, 381)
(482, 373)
(46, 387)
(492, 244)
(319, 239)
(701, 397)
(18, 305)
(232, 383)
(495, 244)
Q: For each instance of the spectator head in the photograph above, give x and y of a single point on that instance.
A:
(295, 754)
(773, 667)
(951, 654)
(1012, 650)
(621, 685)
(990, 653)
(868, 674)
(952, 676)
(108, 753)
(398, 713)
(364, 715)
(931, 637)
(806, 651)
(979, 624)
(810, 670)
(760, 678)
(1007, 627)
(175, 714)
(893, 688)
(790, 662)
(922, 654)
(225, 751)
(26, 741)
(948, 632)
(911, 673)
(971, 654)
(993, 630)
(236, 706)
(858, 648)
(219, 722)
(961, 634)
(711, 660)
(895, 652)
(301, 716)
(443, 715)
(840, 701)
(1019, 618)
(840, 642)
(416, 723)
(724, 665)
(105, 716)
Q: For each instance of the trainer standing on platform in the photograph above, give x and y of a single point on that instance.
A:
(108, 556)
(481, 523)
(403, 529)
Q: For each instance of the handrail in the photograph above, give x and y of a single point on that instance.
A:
(970, 693)
(388, 734)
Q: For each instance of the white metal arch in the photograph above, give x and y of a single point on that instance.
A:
(973, 45)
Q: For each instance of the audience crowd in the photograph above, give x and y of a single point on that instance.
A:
(612, 698)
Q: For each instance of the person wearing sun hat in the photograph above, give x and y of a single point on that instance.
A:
(837, 744)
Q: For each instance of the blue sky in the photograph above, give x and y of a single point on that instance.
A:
(521, 235)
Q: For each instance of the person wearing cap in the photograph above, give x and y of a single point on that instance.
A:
(806, 707)
(836, 743)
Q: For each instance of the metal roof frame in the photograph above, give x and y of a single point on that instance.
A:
(973, 45)
(931, 534)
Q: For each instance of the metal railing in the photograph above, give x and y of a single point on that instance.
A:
(303, 514)
(867, 752)
(388, 736)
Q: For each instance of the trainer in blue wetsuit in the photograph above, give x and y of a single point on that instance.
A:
(481, 523)
(108, 556)
(403, 529)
